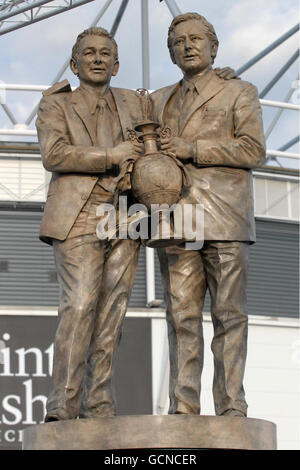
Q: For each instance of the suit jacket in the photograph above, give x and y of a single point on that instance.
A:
(69, 150)
(225, 124)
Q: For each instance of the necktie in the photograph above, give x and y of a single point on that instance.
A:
(104, 125)
(187, 102)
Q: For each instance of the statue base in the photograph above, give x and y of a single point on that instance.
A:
(152, 432)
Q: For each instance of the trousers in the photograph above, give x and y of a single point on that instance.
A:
(96, 278)
(222, 268)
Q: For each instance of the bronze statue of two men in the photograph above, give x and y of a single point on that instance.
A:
(217, 135)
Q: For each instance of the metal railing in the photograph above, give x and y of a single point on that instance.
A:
(21, 129)
(16, 14)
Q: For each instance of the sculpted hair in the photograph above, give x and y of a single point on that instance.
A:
(93, 31)
(205, 25)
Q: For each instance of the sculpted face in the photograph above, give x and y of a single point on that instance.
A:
(96, 62)
(192, 48)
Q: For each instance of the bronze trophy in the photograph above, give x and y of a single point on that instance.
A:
(156, 178)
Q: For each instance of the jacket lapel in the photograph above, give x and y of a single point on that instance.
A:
(83, 112)
(211, 87)
(123, 110)
(169, 92)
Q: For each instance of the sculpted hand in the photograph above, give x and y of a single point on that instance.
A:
(227, 73)
(179, 147)
(124, 151)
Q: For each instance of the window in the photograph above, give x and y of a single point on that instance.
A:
(276, 197)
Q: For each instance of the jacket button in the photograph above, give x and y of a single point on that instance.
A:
(84, 197)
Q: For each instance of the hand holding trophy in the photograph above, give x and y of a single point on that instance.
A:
(156, 178)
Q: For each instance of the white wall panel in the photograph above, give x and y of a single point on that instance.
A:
(22, 180)
(272, 378)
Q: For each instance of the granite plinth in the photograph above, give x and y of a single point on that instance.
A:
(152, 432)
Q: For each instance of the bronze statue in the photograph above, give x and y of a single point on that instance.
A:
(88, 142)
(82, 136)
(217, 133)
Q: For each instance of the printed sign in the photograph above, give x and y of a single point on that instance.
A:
(26, 356)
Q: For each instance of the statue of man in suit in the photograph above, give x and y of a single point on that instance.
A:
(217, 133)
(83, 140)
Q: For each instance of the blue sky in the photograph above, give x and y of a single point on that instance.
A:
(33, 55)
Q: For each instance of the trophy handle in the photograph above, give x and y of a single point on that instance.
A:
(165, 132)
(132, 135)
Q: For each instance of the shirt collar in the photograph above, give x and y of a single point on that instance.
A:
(196, 83)
(92, 99)
(185, 86)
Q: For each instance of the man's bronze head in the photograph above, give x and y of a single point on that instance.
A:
(94, 31)
(204, 26)
(95, 57)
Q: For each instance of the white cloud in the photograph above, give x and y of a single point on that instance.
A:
(252, 25)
